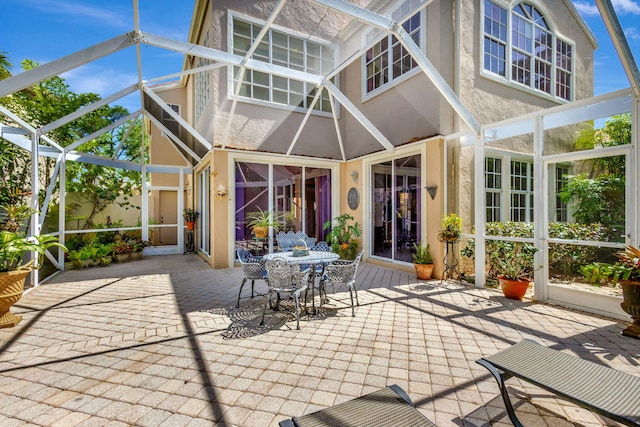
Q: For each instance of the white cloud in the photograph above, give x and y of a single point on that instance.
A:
(586, 9)
(622, 7)
(626, 6)
(632, 33)
(77, 10)
(101, 80)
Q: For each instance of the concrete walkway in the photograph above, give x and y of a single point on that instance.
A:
(159, 342)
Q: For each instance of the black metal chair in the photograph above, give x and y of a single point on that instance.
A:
(253, 269)
(283, 277)
(342, 272)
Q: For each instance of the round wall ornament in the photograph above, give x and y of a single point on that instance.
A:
(353, 198)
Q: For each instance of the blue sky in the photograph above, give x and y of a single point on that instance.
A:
(45, 30)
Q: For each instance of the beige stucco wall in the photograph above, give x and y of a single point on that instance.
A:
(76, 217)
(411, 109)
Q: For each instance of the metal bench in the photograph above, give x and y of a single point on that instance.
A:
(601, 389)
(389, 406)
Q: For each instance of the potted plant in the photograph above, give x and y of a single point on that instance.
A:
(261, 221)
(190, 216)
(450, 228)
(137, 245)
(628, 271)
(342, 236)
(515, 265)
(13, 270)
(122, 251)
(422, 262)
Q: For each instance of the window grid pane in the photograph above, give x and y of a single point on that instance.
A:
(532, 51)
(284, 50)
(377, 59)
(493, 185)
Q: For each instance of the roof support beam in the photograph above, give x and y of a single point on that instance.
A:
(357, 114)
(304, 119)
(59, 66)
(175, 116)
(383, 23)
(174, 138)
(89, 108)
(337, 125)
(620, 42)
(102, 131)
(228, 58)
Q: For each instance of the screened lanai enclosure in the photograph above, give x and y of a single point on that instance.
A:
(393, 112)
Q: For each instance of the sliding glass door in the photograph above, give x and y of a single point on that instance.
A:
(299, 197)
(396, 208)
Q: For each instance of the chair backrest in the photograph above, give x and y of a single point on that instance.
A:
(252, 266)
(322, 246)
(287, 240)
(283, 276)
(343, 271)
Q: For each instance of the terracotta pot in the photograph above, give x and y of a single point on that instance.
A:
(191, 225)
(11, 288)
(423, 271)
(514, 289)
(261, 232)
(631, 305)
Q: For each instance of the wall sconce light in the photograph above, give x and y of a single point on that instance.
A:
(432, 190)
(221, 191)
(188, 187)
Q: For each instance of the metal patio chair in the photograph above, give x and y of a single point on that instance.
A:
(283, 277)
(342, 272)
(253, 269)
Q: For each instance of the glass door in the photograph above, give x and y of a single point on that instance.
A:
(396, 202)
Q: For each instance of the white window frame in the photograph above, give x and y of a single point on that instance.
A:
(167, 116)
(508, 79)
(201, 85)
(308, 90)
(204, 203)
(506, 190)
(391, 81)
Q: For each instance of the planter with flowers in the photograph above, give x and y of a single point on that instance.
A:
(628, 270)
(450, 228)
(13, 270)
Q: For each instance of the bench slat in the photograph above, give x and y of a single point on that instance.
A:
(597, 387)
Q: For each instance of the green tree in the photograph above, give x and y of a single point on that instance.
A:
(50, 100)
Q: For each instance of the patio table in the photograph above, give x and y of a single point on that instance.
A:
(314, 258)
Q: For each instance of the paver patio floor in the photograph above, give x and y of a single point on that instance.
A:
(159, 342)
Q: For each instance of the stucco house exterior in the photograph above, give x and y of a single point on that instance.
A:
(281, 144)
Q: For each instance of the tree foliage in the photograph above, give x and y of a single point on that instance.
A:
(50, 100)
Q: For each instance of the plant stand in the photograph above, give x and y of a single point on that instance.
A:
(189, 246)
(450, 261)
(631, 305)
(11, 288)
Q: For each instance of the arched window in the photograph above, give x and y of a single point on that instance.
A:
(522, 38)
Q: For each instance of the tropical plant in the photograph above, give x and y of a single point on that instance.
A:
(343, 234)
(263, 219)
(514, 260)
(629, 262)
(121, 247)
(14, 245)
(450, 227)
(422, 254)
(190, 215)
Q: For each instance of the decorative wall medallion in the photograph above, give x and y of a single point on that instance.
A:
(353, 198)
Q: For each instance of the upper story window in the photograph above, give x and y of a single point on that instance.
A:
(388, 60)
(520, 46)
(286, 50)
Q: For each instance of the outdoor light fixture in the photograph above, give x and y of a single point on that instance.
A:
(432, 190)
(221, 191)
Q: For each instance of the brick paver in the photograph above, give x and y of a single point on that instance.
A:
(160, 342)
